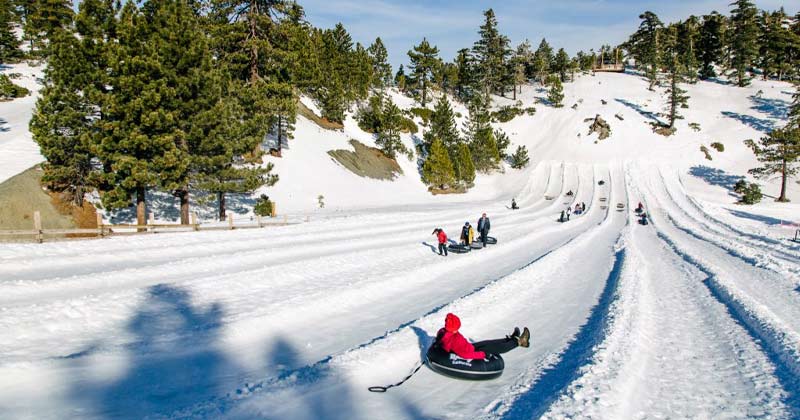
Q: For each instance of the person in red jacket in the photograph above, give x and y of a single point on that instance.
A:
(452, 341)
(442, 237)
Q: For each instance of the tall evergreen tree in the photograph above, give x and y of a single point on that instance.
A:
(645, 46)
(775, 43)
(521, 60)
(491, 52)
(688, 38)
(424, 59)
(466, 79)
(676, 96)
(388, 138)
(9, 44)
(709, 46)
(743, 41)
(479, 135)
(381, 68)
(561, 64)
(463, 167)
(442, 126)
(779, 153)
(438, 169)
(556, 93)
(794, 109)
(400, 79)
(543, 61)
(45, 17)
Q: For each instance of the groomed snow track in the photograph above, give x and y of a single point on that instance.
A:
(690, 316)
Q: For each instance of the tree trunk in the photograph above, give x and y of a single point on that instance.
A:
(782, 197)
(515, 92)
(141, 209)
(221, 199)
(77, 199)
(253, 34)
(280, 134)
(424, 91)
(183, 195)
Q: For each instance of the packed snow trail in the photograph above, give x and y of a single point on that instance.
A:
(672, 350)
(764, 301)
(549, 295)
(262, 316)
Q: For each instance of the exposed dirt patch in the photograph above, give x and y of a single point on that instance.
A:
(316, 119)
(367, 162)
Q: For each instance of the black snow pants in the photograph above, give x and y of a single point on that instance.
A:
(499, 346)
(443, 249)
(484, 235)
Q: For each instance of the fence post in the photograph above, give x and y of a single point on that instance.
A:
(258, 220)
(100, 225)
(151, 220)
(274, 209)
(230, 221)
(194, 221)
(37, 225)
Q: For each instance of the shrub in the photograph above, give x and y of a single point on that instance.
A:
(520, 158)
(263, 206)
(506, 113)
(8, 90)
(704, 149)
(423, 113)
(740, 186)
(407, 125)
(718, 146)
(530, 110)
(694, 126)
(751, 194)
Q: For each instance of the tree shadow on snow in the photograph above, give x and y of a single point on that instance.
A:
(769, 221)
(759, 124)
(172, 361)
(643, 112)
(166, 207)
(716, 177)
(773, 108)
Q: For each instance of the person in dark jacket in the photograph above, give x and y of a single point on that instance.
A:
(452, 341)
(514, 204)
(466, 234)
(483, 228)
(442, 237)
(562, 218)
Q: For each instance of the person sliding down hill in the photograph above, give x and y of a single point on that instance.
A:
(483, 228)
(452, 341)
(442, 237)
(639, 208)
(514, 204)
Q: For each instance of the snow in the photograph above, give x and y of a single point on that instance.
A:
(696, 315)
(18, 152)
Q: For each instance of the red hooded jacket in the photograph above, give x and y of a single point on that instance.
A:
(452, 341)
(442, 237)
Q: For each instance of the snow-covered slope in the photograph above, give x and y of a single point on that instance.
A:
(695, 315)
(18, 152)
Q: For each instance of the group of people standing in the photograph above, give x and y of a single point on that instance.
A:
(467, 234)
(580, 208)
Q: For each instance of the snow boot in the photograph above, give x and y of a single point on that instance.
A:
(514, 335)
(524, 339)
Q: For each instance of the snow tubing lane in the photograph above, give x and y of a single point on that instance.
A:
(448, 364)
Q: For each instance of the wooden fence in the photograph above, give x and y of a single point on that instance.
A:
(38, 234)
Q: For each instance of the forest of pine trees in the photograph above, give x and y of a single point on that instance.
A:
(183, 96)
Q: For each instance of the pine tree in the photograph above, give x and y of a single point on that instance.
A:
(520, 158)
(645, 46)
(794, 109)
(543, 61)
(479, 135)
(676, 97)
(743, 41)
(442, 127)
(380, 64)
(502, 141)
(556, 93)
(561, 64)
(389, 135)
(774, 44)
(438, 169)
(688, 38)
(424, 58)
(463, 166)
(400, 79)
(522, 59)
(466, 79)
(779, 153)
(9, 44)
(710, 44)
(45, 18)
(491, 52)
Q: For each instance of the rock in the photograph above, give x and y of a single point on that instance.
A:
(599, 126)
(619, 117)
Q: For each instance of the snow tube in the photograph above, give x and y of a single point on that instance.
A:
(491, 240)
(643, 222)
(476, 245)
(448, 364)
(458, 248)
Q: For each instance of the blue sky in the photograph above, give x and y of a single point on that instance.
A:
(453, 24)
